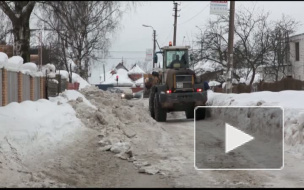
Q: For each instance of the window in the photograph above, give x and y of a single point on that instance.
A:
(297, 51)
(177, 56)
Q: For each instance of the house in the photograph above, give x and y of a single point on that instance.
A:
(121, 66)
(135, 72)
(296, 56)
(125, 77)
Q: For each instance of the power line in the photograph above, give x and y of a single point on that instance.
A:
(195, 15)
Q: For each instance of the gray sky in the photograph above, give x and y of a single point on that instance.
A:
(132, 40)
(134, 37)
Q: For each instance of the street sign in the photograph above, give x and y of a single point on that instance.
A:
(219, 7)
(149, 56)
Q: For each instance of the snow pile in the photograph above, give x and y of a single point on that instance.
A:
(29, 129)
(289, 100)
(115, 119)
(49, 69)
(123, 78)
(75, 78)
(136, 70)
(207, 66)
(28, 68)
(14, 63)
(213, 83)
(3, 59)
(69, 95)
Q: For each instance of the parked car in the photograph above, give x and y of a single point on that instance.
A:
(114, 90)
(138, 94)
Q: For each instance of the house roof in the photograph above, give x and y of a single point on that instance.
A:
(135, 69)
(121, 65)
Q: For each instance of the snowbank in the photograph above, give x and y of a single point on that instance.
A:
(207, 66)
(213, 83)
(3, 59)
(31, 129)
(68, 95)
(291, 101)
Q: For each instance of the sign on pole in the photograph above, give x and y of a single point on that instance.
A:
(219, 7)
(149, 56)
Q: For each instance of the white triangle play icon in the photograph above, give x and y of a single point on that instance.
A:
(235, 138)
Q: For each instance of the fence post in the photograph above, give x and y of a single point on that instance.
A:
(20, 87)
(4, 87)
(32, 88)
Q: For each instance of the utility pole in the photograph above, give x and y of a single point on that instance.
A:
(175, 22)
(154, 47)
(230, 48)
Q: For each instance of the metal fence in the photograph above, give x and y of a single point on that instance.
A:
(12, 88)
(26, 85)
(0, 87)
(37, 88)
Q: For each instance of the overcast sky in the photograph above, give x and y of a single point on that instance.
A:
(132, 39)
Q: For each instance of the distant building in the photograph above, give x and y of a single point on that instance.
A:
(121, 66)
(135, 72)
(297, 56)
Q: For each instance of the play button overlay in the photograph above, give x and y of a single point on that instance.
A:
(239, 138)
(235, 138)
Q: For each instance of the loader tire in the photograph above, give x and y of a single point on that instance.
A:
(160, 113)
(189, 112)
(200, 113)
(151, 103)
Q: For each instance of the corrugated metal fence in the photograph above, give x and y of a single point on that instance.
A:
(37, 88)
(16, 87)
(0, 87)
(12, 88)
(26, 85)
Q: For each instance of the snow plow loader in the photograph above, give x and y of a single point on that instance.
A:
(174, 87)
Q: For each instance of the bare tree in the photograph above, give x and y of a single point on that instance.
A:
(82, 26)
(19, 13)
(5, 27)
(277, 66)
(257, 42)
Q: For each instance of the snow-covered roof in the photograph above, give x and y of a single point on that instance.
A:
(139, 81)
(123, 78)
(136, 70)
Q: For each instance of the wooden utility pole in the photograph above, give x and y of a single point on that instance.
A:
(154, 47)
(230, 48)
(175, 22)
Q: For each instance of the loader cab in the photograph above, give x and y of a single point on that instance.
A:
(174, 57)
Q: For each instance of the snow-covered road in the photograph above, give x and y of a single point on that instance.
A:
(118, 144)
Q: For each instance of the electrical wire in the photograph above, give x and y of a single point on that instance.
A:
(195, 15)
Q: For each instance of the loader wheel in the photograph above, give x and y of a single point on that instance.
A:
(200, 113)
(151, 103)
(190, 112)
(160, 113)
